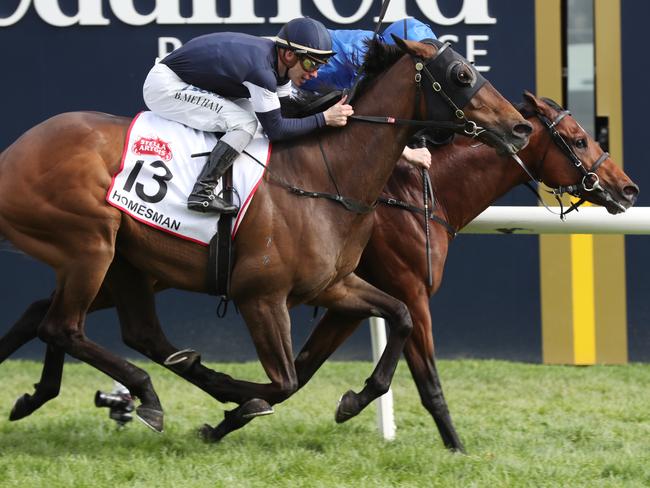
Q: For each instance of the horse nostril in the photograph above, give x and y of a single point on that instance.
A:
(631, 192)
(523, 129)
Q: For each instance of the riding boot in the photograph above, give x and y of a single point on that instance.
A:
(202, 198)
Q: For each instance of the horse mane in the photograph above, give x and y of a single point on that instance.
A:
(379, 57)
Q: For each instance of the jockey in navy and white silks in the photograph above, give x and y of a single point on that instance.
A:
(220, 82)
(341, 70)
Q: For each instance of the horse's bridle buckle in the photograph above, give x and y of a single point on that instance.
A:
(595, 185)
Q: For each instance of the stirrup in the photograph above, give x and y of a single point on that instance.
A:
(212, 204)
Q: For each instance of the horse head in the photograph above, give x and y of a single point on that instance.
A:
(573, 162)
(454, 90)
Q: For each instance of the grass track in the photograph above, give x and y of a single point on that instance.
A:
(523, 425)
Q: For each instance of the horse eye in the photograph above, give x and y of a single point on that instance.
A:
(464, 76)
(581, 143)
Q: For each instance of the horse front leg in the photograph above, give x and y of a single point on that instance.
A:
(331, 331)
(269, 324)
(354, 296)
(419, 353)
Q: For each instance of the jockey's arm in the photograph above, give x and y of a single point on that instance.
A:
(266, 105)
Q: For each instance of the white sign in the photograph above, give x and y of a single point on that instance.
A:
(166, 12)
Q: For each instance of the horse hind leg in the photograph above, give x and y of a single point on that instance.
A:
(23, 331)
(63, 327)
(354, 296)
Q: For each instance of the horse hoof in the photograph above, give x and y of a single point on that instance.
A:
(22, 408)
(207, 433)
(151, 418)
(347, 407)
(254, 408)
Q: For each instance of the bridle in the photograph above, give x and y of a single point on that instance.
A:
(590, 182)
(587, 175)
(439, 66)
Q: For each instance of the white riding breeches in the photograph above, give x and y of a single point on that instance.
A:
(170, 97)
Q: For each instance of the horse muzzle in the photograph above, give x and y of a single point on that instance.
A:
(615, 201)
(508, 143)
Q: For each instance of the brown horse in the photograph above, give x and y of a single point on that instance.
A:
(52, 186)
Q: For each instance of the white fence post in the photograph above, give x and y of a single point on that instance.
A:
(385, 417)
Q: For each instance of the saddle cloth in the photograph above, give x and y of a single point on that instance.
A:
(157, 175)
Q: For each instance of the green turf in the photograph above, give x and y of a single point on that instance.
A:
(523, 425)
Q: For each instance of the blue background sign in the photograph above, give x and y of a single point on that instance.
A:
(67, 55)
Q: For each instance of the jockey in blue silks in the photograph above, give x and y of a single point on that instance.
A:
(350, 49)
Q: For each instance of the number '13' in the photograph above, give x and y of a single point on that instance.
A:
(160, 179)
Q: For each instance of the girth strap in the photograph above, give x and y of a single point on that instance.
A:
(350, 204)
(393, 202)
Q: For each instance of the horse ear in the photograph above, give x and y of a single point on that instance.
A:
(532, 101)
(413, 48)
(399, 42)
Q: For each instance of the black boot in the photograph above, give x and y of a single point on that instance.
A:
(202, 198)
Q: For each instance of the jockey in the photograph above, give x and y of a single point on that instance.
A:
(219, 82)
(341, 70)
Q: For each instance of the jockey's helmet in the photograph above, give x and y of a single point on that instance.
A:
(306, 37)
(411, 29)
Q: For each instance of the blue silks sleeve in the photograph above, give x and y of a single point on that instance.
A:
(341, 69)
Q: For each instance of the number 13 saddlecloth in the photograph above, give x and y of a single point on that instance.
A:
(158, 173)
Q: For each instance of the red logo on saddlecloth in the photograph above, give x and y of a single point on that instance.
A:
(153, 147)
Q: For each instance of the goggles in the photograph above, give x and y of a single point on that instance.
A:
(310, 65)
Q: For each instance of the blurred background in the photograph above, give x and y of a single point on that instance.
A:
(503, 296)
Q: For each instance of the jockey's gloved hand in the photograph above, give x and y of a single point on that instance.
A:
(337, 115)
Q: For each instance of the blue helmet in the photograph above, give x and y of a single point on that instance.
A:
(411, 29)
(307, 36)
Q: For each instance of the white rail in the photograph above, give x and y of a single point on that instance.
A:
(520, 220)
(538, 220)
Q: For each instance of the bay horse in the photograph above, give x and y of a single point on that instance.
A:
(54, 178)
(465, 180)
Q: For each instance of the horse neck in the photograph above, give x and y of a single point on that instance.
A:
(466, 180)
(363, 155)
